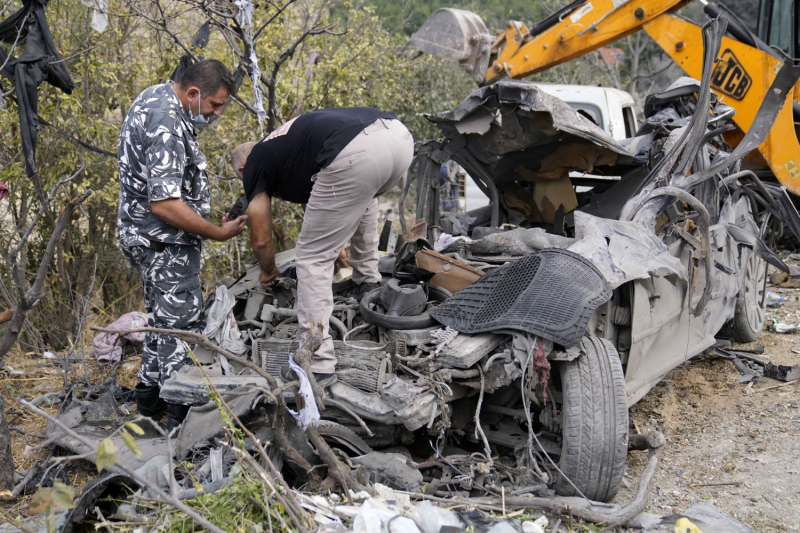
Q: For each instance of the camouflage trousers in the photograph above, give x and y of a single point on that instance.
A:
(174, 300)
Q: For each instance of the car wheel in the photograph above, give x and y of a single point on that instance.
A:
(750, 309)
(594, 422)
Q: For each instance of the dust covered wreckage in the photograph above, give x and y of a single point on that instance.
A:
(541, 323)
(557, 325)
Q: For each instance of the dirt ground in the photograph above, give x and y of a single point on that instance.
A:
(734, 445)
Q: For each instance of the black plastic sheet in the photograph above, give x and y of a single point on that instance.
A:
(39, 62)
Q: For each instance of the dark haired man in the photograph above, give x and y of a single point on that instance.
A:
(337, 162)
(164, 201)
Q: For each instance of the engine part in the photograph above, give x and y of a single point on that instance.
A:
(421, 321)
(343, 435)
(466, 350)
(412, 337)
(383, 435)
(398, 402)
(364, 369)
(189, 385)
(403, 300)
(392, 469)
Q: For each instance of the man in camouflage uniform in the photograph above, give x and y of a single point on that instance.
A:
(164, 202)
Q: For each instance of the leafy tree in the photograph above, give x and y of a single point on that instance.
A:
(353, 62)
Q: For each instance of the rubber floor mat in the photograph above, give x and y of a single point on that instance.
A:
(551, 294)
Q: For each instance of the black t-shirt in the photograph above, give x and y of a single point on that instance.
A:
(283, 164)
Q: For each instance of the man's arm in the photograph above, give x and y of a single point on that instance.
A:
(261, 237)
(176, 213)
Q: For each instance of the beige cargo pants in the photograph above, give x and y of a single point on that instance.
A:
(344, 207)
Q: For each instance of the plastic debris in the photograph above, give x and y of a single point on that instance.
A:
(245, 19)
(782, 372)
(445, 240)
(781, 327)
(221, 325)
(502, 527)
(684, 525)
(310, 412)
(108, 346)
(374, 517)
(99, 14)
(774, 299)
(431, 519)
(537, 526)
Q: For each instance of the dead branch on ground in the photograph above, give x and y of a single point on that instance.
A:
(290, 504)
(336, 470)
(303, 357)
(605, 514)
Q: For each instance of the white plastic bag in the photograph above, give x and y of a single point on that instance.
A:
(309, 413)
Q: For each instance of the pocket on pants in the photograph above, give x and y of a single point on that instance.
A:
(177, 304)
(346, 159)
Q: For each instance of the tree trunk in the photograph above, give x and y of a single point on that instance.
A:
(6, 459)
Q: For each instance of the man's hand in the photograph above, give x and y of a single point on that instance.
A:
(268, 278)
(176, 213)
(231, 228)
(342, 259)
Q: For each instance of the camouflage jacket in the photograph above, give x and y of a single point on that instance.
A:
(159, 158)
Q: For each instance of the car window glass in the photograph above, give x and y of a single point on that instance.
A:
(630, 124)
(781, 26)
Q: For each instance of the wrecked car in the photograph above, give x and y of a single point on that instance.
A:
(506, 344)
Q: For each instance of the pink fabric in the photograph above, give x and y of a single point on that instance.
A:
(3, 190)
(108, 346)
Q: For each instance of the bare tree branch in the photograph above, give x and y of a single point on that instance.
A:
(44, 207)
(272, 81)
(272, 18)
(161, 25)
(35, 293)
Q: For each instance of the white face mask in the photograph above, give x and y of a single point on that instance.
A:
(199, 119)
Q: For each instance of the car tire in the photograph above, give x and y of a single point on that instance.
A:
(594, 422)
(334, 432)
(750, 309)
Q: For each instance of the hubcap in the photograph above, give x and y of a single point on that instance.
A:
(755, 275)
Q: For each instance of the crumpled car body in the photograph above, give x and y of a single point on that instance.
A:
(506, 344)
(505, 136)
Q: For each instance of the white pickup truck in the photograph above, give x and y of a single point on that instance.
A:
(609, 108)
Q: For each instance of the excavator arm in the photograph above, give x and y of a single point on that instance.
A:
(585, 27)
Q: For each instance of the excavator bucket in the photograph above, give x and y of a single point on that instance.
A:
(455, 35)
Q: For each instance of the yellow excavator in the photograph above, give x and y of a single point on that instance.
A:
(744, 71)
